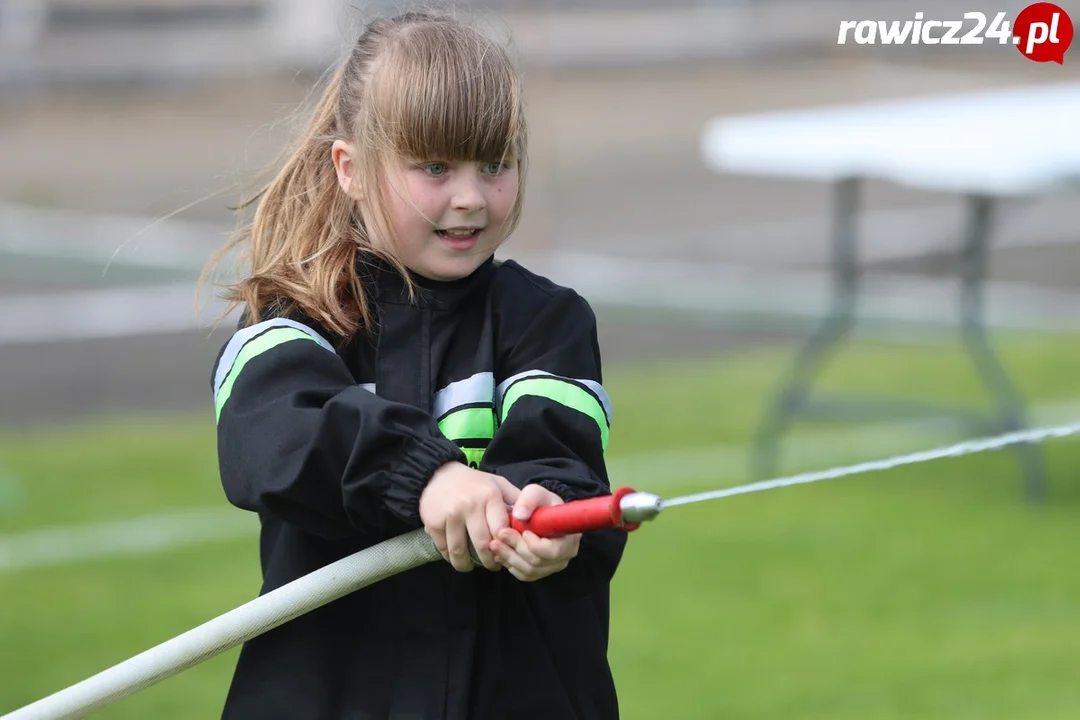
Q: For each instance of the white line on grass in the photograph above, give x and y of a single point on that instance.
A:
(135, 536)
(714, 467)
(96, 314)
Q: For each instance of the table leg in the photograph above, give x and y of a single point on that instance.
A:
(1010, 413)
(793, 398)
(839, 321)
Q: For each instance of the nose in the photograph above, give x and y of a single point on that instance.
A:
(468, 195)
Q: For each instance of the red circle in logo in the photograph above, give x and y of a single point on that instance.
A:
(1043, 32)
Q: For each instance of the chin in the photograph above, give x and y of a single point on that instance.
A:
(456, 269)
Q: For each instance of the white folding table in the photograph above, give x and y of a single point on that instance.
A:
(984, 146)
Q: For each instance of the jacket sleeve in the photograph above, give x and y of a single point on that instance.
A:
(554, 417)
(300, 440)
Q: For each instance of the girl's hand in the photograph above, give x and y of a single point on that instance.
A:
(460, 505)
(527, 556)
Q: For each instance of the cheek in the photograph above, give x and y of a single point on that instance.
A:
(423, 201)
(504, 195)
(407, 207)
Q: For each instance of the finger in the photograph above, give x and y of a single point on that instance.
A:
(507, 489)
(508, 535)
(498, 517)
(438, 537)
(533, 497)
(477, 526)
(517, 543)
(457, 544)
(552, 549)
(520, 568)
(505, 554)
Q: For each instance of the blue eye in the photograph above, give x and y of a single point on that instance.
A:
(435, 169)
(494, 168)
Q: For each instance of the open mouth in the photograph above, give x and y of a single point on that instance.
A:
(458, 234)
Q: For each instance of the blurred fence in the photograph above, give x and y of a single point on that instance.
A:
(621, 205)
(73, 41)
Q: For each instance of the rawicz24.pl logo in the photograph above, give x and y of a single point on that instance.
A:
(1042, 32)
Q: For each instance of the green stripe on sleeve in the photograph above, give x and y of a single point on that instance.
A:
(469, 424)
(267, 341)
(564, 393)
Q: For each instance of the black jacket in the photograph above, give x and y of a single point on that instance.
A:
(331, 441)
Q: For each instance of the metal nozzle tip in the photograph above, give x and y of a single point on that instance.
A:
(640, 506)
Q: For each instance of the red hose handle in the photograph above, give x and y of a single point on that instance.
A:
(577, 516)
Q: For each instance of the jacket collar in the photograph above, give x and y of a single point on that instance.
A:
(385, 284)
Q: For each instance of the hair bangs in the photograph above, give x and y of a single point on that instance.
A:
(447, 97)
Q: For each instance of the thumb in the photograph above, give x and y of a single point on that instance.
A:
(532, 497)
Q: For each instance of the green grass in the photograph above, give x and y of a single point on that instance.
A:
(931, 591)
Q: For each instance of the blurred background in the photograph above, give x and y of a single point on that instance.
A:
(128, 128)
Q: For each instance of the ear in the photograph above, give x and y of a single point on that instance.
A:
(344, 155)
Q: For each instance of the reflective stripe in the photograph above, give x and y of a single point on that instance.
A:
(469, 424)
(466, 411)
(256, 346)
(478, 389)
(241, 337)
(564, 391)
(473, 456)
(597, 389)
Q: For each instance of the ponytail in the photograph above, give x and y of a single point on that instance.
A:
(300, 248)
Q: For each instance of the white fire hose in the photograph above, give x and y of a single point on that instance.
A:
(305, 594)
(235, 627)
(625, 509)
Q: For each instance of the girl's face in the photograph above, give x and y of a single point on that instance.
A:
(448, 217)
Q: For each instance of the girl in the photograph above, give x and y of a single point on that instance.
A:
(388, 375)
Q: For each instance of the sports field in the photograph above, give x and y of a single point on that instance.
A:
(931, 591)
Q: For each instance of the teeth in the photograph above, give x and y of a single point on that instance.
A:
(460, 233)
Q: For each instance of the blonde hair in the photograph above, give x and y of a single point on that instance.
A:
(417, 86)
